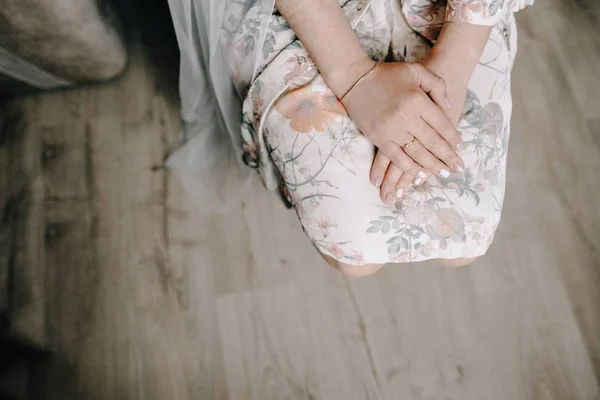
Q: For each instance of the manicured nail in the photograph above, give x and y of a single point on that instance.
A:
(422, 174)
(444, 173)
(418, 181)
(448, 103)
(377, 182)
(389, 198)
(399, 192)
(460, 146)
(459, 167)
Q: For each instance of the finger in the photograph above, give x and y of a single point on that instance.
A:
(397, 156)
(427, 175)
(433, 85)
(422, 156)
(438, 120)
(418, 179)
(388, 188)
(437, 145)
(378, 169)
(413, 177)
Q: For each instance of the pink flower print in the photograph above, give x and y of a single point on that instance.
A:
(336, 250)
(299, 206)
(402, 257)
(460, 10)
(358, 256)
(429, 248)
(431, 11)
(324, 224)
(257, 109)
(309, 111)
(413, 19)
(448, 223)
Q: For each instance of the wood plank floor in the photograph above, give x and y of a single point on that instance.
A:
(150, 299)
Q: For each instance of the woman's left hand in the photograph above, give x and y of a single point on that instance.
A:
(393, 186)
(456, 83)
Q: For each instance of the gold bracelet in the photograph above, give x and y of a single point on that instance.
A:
(362, 78)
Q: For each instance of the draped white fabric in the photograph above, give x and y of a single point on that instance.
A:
(210, 30)
(210, 104)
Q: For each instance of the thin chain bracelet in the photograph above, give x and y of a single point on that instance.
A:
(362, 78)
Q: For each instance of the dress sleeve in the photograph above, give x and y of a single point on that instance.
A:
(482, 12)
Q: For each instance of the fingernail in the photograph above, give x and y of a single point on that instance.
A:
(377, 182)
(444, 173)
(459, 167)
(448, 103)
(389, 198)
(460, 146)
(418, 181)
(399, 192)
(422, 174)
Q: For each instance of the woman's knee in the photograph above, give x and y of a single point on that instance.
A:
(355, 271)
(455, 262)
(359, 271)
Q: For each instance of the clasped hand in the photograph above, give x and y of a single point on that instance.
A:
(402, 109)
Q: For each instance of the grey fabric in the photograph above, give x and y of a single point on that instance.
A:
(210, 107)
(71, 40)
(21, 70)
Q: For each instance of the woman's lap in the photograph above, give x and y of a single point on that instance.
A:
(324, 161)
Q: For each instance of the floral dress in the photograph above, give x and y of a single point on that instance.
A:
(297, 134)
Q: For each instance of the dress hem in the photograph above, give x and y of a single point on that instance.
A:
(472, 254)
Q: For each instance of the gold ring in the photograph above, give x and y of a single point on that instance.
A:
(406, 145)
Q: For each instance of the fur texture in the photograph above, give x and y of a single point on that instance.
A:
(76, 40)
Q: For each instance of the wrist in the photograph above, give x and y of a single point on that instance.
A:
(458, 50)
(342, 77)
(449, 68)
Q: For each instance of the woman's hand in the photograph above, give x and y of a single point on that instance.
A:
(393, 185)
(454, 57)
(456, 84)
(395, 182)
(392, 108)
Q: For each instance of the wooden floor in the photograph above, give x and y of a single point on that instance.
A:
(150, 299)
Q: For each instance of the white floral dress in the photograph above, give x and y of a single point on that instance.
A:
(297, 134)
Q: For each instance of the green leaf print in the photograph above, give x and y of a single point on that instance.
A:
(495, 5)
(393, 249)
(393, 240)
(386, 228)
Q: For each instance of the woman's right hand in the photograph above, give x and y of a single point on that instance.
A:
(399, 102)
